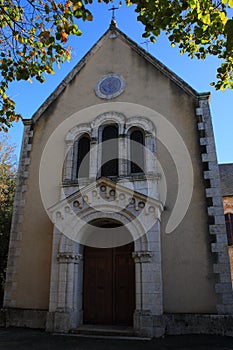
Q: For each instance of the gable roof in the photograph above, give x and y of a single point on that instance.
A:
(226, 176)
(114, 32)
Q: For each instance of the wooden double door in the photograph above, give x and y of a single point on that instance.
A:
(109, 286)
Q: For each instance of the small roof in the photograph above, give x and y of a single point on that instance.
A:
(226, 176)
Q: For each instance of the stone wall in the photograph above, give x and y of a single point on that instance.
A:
(23, 318)
(198, 324)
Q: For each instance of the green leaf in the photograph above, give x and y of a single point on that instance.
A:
(152, 39)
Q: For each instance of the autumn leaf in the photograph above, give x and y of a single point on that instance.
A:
(64, 37)
(77, 6)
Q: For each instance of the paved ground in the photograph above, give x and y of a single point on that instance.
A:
(25, 339)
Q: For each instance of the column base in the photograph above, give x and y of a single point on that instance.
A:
(148, 325)
(61, 321)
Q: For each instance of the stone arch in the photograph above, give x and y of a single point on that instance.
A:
(125, 218)
(67, 292)
(148, 129)
(142, 123)
(71, 149)
(77, 131)
(105, 118)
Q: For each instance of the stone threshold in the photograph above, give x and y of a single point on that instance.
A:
(106, 332)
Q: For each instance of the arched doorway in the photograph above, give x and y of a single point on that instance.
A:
(109, 284)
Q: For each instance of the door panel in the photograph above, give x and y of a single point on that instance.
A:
(97, 284)
(125, 285)
(109, 285)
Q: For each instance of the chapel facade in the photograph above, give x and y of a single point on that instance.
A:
(118, 217)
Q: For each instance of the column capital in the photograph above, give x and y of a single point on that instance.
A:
(67, 258)
(142, 257)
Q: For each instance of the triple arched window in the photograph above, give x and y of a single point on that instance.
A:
(110, 146)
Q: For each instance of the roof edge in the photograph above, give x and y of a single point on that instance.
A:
(139, 50)
(162, 68)
(69, 77)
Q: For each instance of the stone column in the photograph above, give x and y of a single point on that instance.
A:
(93, 159)
(148, 292)
(123, 155)
(138, 279)
(150, 166)
(68, 163)
(143, 320)
(65, 317)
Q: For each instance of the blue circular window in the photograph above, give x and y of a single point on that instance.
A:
(110, 86)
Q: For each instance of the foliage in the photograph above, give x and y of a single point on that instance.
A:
(199, 27)
(34, 34)
(7, 190)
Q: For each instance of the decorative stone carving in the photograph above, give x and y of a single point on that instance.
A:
(67, 258)
(142, 257)
(106, 197)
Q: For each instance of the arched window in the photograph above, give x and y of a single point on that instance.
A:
(83, 157)
(136, 152)
(109, 151)
(229, 227)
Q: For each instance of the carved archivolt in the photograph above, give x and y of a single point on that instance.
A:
(108, 200)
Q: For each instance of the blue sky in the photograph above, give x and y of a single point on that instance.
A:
(196, 73)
